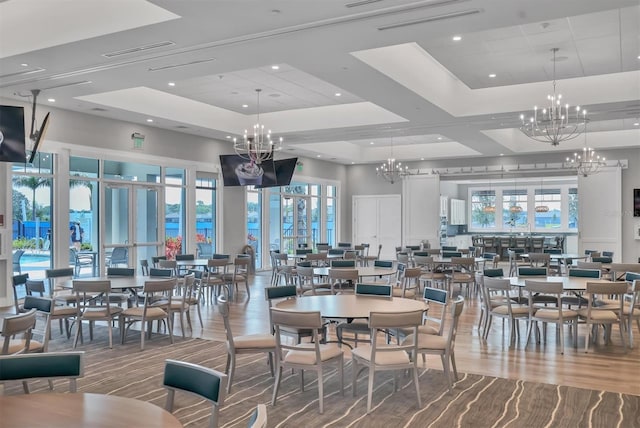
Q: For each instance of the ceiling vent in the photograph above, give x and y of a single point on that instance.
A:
(184, 64)
(22, 73)
(137, 49)
(99, 109)
(431, 19)
(361, 3)
(66, 85)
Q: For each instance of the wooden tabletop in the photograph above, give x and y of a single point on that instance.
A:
(117, 282)
(569, 283)
(194, 262)
(362, 271)
(562, 256)
(350, 306)
(81, 410)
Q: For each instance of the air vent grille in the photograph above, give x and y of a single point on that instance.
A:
(22, 73)
(431, 19)
(184, 64)
(361, 3)
(137, 49)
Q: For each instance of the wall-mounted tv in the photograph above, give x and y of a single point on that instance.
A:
(636, 202)
(12, 136)
(284, 172)
(39, 138)
(238, 171)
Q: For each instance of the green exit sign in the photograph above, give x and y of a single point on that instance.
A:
(138, 141)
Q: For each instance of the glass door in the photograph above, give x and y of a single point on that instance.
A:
(296, 221)
(131, 224)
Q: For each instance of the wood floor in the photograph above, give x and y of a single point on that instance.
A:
(606, 367)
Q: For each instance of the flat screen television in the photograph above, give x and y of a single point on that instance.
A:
(284, 172)
(636, 202)
(12, 135)
(39, 138)
(238, 171)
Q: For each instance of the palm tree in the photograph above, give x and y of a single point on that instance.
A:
(32, 183)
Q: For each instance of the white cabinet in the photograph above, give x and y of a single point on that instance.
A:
(458, 215)
(443, 206)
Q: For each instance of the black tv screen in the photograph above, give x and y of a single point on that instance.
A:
(284, 172)
(12, 135)
(636, 202)
(238, 171)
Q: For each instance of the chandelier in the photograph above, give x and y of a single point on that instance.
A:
(588, 162)
(392, 170)
(542, 208)
(489, 209)
(257, 146)
(557, 122)
(515, 209)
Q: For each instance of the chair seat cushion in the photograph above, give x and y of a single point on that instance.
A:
(409, 294)
(428, 341)
(382, 358)
(303, 357)
(139, 311)
(254, 341)
(554, 314)
(17, 345)
(63, 311)
(599, 315)
(66, 298)
(515, 309)
(432, 276)
(319, 291)
(357, 325)
(461, 277)
(100, 313)
(428, 329)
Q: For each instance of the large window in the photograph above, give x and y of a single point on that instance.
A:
(205, 215)
(483, 209)
(331, 216)
(254, 222)
(175, 212)
(548, 209)
(514, 208)
(573, 208)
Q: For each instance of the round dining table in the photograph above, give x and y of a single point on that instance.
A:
(350, 305)
(363, 271)
(117, 282)
(79, 410)
(569, 283)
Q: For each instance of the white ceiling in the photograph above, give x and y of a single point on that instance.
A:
(401, 78)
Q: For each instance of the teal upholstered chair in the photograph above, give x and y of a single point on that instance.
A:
(201, 381)
(50, 366)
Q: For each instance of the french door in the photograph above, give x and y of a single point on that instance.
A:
(296, 222)
(132, 221)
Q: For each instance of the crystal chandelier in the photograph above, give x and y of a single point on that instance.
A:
(392, 170)
(588, 162)
(557, 122)
(257, 146)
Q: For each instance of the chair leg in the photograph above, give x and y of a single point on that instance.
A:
(231, 368)
(452, 357)
(276, 384)
(354, 376)
(447, 373)
(320, 389)
(199, 315)
(417, 384)
(370, 388)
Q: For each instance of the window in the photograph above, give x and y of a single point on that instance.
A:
(483, 209)
(548, 209)
(573, 208)
(254, 222)
(205, 214)
(83, 202)
(175, 212)
(514, 208)
(331, 216)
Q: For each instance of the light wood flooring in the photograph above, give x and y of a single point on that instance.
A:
(606, 367)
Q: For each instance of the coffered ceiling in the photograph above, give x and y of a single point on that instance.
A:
(348, 81)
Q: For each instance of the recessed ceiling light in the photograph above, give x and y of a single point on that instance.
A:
(24, 64)
(353, 163)
(636, 124)
(492, 75)
(439, 138)
(318, 156)
(228, 137)
(338, 94)
(421, 158)
(171, 83)
(245, 105)
(149, 120)
(275, 67)
(457, 38)
(372, 143)
(51, 100)
(501, 154)
(638, 58)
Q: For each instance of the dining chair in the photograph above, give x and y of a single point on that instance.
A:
(119, 256)
(58, 312)
(19, 282)
(60, 295)
(343, 263)
(407, 284)
(169, 264)
(15, 261)
(306, 356)
(14, 325)
(432, 273)
(543, 312)
(122, 296)
(441, 344)
(307, 284)
(607, 315)
(214, 278)
(258, 418)
(241, 274)
(247, 344)
(631, 308)
(283, 292)
(48, 366)
(194, 379)
(367, 257)
(318, 259)
(340, 278)
(79, 260)
(91, 309)
(40, 336)
(499, 304)
(180, 302)
(358, 326)
(195, 296)
(461, 273)
(157, 299)
(386, 357)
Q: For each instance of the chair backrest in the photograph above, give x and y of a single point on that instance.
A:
(221, 256)
(59, 273)
(539, 259)
(158, 289)
(19, 281)
(631, 276)
(44, 306)
(607, 254)
(383, 263)
(344, 244)
(201, 381)
(394, 320)
(456, 311)
(204, 250)
(298, 320)
(449, 248)
(532, 271)
(305, 272)
(588, 265)
(304, 251)
(492, 273)
(323, 247)
(343, 275)
(18, 324)
(436, 297)
(602, 259)
(280, 292)
(497, 284)
(608, 290)
(536, 288)
(585, 273)
(161, 273)
(463, 263)
(336, 251)
(144, 266)
(223, 307)
(552, 251)
(304, 263)
(374, 290)
(169, 264)
(116, 271)
(36, 287)
(86, 290)
(343, 263)
(618, 269)
(15, 258)
(316, 258)
(49, 365)
(350, 255)
(448, 254)
(258, 418)
(156, 259)
(120, 255)
(185, 257)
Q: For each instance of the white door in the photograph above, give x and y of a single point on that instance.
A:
(376, 220)
(421, 209)
(600, 212)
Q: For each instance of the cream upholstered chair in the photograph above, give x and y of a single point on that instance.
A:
(240, 274)
(607, 314)
(544, 313)
(60, 295)
(307, 284)
(92, 310)
(342, 277)
(387, 357)
(407, 284)
(441, 344)
(14, 325)
(66, 313)
(498, 290)
(462, 272)
(432, 274)
(247, 344)
(180, 301)
(631, 308)
(436, 299)
(282, 292)
(157, 299)
(358, 326)
(214, 279)
(49, 366)
(304, 356)
(197, 380)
